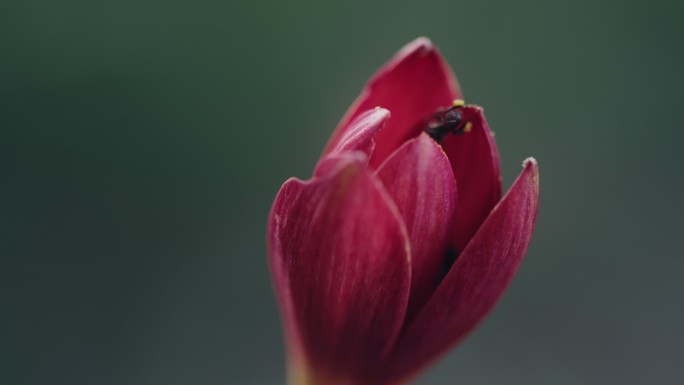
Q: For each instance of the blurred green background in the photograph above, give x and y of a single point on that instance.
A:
(142, 143)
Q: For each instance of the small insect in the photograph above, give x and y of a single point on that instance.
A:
(448, 121)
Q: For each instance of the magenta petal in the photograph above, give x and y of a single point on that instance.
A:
(475, 282)
(419, 179)
(359, 137)
(475, 161)
(414, 84)
(340, 260)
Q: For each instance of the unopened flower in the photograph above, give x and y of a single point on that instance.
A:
(400, 243)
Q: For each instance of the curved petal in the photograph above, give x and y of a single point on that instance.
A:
(359, 137)
(414, 84)
(475, 161)
(339, 256)
(419, 179)
(475, 282)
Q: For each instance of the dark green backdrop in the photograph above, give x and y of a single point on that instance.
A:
(141, 144)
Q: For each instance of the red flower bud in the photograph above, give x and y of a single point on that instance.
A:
(400, 243)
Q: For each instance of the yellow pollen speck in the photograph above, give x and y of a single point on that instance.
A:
(459, 103)
(493, 133)
(468, 127)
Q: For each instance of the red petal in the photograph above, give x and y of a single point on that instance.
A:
(339, 255)
(475, 161)
(414, 84)
(359, 136)
(419, 179)
(475, 282)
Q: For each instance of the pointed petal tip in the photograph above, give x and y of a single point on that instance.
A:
(420, 44)
(379, 114)
(419, 48)
(365, 127)
(359, 134)
(530, 162)
(530, 166)
(426, 140)
(424, 40)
